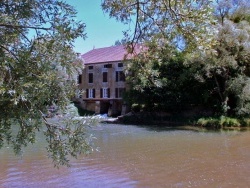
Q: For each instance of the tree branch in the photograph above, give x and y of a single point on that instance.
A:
(10, 52)
(22, 27)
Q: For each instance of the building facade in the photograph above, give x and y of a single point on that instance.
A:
(103, 82)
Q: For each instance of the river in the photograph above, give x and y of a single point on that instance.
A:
(134, 156)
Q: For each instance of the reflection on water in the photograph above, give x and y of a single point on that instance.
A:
(130, 156)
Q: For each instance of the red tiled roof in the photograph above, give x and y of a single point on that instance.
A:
(107, 54)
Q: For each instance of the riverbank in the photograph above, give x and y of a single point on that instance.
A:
(148, 118)
(142, 118)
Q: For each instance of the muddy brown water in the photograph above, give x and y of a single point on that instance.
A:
(131, 156)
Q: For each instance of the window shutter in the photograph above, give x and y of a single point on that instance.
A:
(101, 93)
(116, 92)
(108, 92)
(93, 93)
(87, 93)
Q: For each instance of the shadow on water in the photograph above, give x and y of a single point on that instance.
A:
(172, 127)
(176, 122)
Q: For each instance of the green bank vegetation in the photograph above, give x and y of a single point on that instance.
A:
(223, 122)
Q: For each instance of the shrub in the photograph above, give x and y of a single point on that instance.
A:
(245, 122)
(220, 122)
(229, 122)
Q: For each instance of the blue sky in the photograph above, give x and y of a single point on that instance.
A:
(101, 30)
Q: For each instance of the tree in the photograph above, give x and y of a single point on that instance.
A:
(164, 22)
(36, 67)
(173, 88)
(227, 62)
(214, 35)
(164, 26)
(120, 42)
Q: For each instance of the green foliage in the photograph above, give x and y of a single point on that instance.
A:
(83, 112)
(67, 137)
(136, 108)
(227, 62)
(208, 122)
(174, 88)
(165, 21)
(245, 122)
(229, 122)
(159, 76)
(37, 68)
(214, 38)
(220, 122)
(120, 42)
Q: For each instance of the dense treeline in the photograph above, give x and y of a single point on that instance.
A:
(177, 88)
(200, 60)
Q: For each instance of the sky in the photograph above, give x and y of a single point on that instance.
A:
(102, 31)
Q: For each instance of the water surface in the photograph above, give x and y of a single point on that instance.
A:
(132, 156)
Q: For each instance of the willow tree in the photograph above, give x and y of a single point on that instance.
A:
(36, 67)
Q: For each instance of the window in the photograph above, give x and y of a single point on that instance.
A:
(91, 77)
(119, 92)
(120, 64)
(90, 93)
(105, 92)
(120, 76)
(80, 79)
(105, 76)
(91, 67)
(107, 66)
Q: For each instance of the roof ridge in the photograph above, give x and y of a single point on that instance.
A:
(106, 54)
(108, 47)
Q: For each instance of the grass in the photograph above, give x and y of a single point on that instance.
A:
(223, 121)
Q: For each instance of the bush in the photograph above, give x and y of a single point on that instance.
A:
(229, 122)
(208, 122)
(245, 122)
(219, 122)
